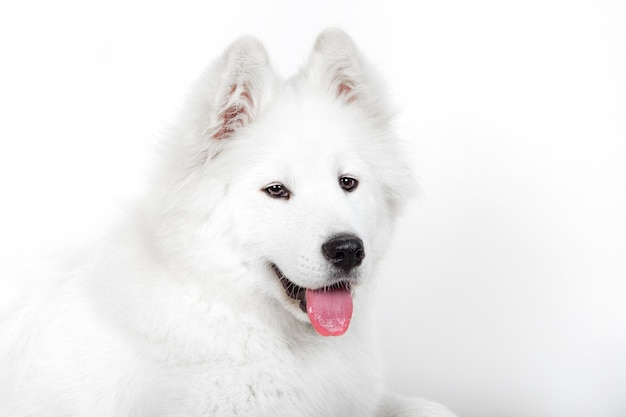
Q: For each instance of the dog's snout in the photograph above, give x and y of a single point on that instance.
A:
(344, 251)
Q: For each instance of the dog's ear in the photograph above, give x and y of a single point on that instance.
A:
(336, 64)
(241, 76)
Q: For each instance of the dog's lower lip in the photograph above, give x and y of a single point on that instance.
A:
(293, 290)
(299, 293)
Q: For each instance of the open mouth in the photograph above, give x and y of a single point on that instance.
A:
(329, 308)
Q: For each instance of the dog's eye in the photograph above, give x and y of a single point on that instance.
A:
(277, 191)
(348, 183)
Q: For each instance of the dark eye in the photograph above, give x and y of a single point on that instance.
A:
(277, 191)
(348, 183)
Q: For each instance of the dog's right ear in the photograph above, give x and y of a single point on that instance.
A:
(337, 65)
(241, 77)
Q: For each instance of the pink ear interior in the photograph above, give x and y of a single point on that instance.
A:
(345, 90)
(237, 114)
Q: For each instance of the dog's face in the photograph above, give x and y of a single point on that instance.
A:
(311, 210)
(301, 179)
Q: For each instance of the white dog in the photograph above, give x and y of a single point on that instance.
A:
(271, 207)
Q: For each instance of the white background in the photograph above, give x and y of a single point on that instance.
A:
(504, 294)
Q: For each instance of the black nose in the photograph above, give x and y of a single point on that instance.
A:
(344, 251)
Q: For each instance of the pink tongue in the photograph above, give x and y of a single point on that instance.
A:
(329, 310)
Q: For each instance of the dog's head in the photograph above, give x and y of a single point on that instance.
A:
(285, 189)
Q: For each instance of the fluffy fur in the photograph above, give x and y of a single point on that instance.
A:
(180, 312)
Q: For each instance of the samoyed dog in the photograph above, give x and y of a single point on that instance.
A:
(242, 283)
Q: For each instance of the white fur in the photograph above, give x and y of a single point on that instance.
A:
(179, 313)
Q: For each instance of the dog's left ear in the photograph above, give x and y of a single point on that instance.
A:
(241, 74)
(336, 65)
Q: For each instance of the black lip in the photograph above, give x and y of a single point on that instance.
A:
(293, 290)
(297, 292)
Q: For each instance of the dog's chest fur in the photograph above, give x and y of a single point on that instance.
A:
(222, 364)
